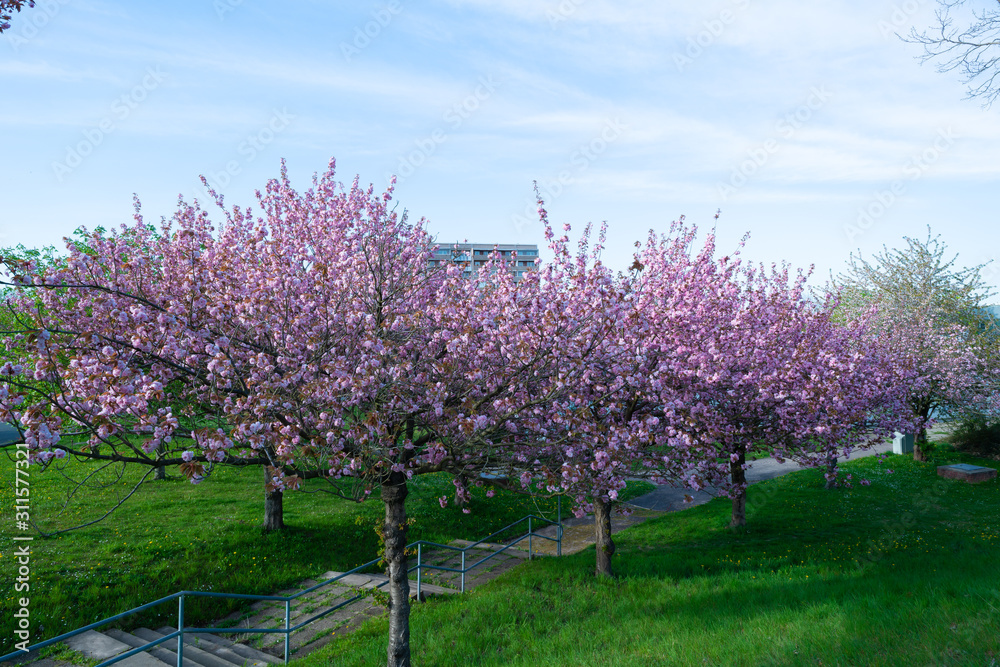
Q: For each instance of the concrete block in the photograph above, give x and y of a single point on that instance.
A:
(969, 473)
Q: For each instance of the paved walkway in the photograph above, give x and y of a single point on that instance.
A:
(671, 498)
(578, 534)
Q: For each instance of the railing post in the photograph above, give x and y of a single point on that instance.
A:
(180, 629)
(559, 527)
(529, 537)
(420, 568)
(463, 570)
(288, 617)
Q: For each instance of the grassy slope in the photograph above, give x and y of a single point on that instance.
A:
(903, 572)
(174, 535)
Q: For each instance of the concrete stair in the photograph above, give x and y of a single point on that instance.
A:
(263, 650)
(320, 632)
(323, 631)
(491, 569)
(201, 650)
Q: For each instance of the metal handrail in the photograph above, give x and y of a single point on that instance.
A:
(288, 629)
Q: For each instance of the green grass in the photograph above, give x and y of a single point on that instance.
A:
(903, 572)
(174, 536)
(62, 653)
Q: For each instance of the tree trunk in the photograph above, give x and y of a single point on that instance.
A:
(831, 471)
(274, 515)
(274, 510)
(921, 439)
(739, 478)
(394, 530)
(161, 471)
(602, 533)
(918, 452)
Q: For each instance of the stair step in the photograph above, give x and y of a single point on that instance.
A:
(197, 657)
(337, 627)
(273, 615)
(203, 638)
(518, 551)
(159, 652)
(96, 645)
(373, 580)
(100, 646)
(304, 636)
(210, 654)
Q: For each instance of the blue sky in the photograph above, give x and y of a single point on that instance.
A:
(810, 125)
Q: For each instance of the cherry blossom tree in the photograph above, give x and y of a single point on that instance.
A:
(748, 364)
(949, 372)
(596, 370)
(701, 363)
(629, 428)
(9, 6)
(16, 318)
(314, 339)
(576, 450)
(930, 316)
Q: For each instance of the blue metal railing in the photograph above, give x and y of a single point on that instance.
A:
(288, 629)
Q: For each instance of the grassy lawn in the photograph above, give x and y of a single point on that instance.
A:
(174, 536)
(903, 572)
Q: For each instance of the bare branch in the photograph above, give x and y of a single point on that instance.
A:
(98, 520)
(973, 50)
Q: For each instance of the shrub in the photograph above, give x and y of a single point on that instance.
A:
(977, 435)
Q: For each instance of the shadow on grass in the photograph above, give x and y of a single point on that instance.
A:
(900, 573)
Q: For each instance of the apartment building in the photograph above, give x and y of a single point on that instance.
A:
(519, 257)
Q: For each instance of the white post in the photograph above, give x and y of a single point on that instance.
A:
(902, 444)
